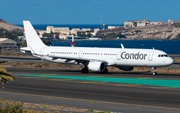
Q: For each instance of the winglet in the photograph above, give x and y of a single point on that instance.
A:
(122, 46)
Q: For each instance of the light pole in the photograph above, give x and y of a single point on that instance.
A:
(4, 33)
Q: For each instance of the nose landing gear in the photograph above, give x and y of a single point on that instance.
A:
(154, 71)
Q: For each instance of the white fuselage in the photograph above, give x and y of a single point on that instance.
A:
(113, 56)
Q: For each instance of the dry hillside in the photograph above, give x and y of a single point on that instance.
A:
(163, 31)
(9, 27)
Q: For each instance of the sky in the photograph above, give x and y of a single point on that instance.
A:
(88, 11)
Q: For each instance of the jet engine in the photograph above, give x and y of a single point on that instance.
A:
(96, 66)
(126, 68)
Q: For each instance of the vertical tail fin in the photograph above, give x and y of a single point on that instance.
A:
(32, 39)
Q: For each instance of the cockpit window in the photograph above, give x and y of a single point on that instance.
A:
(162, 55)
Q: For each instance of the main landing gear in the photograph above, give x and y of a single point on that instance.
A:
(85, 69)
(105, 71)
(154, 71)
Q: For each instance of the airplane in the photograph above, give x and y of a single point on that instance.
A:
(94, 59)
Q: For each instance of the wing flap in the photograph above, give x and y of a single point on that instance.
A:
(76, 58)
(69, 58)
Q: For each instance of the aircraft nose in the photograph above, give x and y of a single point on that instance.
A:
(170, 61)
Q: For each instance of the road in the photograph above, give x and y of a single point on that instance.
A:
(88, 94)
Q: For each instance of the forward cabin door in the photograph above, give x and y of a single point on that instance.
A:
(80, 54)
(150, 58)
(119, 55)
(41, 53)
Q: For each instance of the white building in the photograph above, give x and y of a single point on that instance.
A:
(111, 27)
(85, 29)
(170, 21)
(129, 23)
(41, 33)
(49, 29)
(75, 31)
(154, 23)
(61, 30)
(136, 23)
(64, 32)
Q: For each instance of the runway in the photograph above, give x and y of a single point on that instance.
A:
(50, 87)
(21, 59)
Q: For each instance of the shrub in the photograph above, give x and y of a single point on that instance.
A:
(176, 25)
(137, 31)
(45, 64)
(8, 107)
(90, 110)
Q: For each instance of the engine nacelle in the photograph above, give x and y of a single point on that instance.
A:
(96, 66)
(126, 68)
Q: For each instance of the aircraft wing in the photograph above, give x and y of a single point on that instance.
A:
(77, 59)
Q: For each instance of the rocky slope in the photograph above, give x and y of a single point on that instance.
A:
(163, 31)
(9, 27)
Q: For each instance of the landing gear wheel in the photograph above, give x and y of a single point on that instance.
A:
(105, 71)
(84, 70)
(154, 71)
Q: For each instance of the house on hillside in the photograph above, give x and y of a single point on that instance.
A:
(6, 43)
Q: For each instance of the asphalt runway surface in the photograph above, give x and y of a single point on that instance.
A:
(111, 96)
(21, 59)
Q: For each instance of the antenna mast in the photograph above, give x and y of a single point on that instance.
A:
(101, 20)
